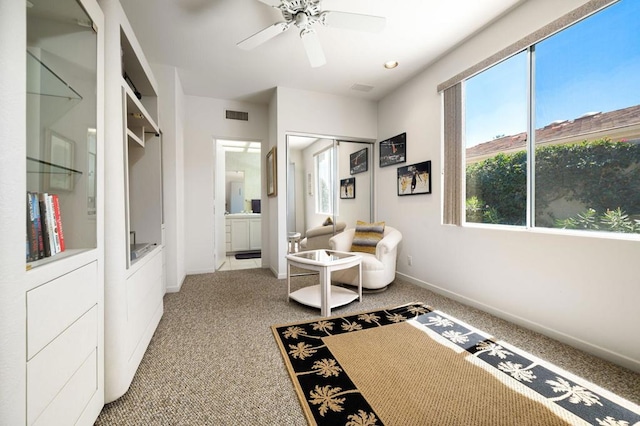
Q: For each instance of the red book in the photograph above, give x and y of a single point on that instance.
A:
(58, 219)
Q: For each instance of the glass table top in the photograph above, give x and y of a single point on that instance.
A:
(322, 256)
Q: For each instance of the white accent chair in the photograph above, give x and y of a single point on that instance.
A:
(318, 237)
(379, 270)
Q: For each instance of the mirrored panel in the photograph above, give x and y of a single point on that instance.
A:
(329, 188)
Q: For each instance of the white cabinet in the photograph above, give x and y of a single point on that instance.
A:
(245, 232)
(227, 233)
(255, 234)
(239, 234)
(51, 303)
(134, 267)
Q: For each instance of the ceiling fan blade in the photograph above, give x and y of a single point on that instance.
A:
(272, 3)
(262, 36)
(354, 21)
(313, 48)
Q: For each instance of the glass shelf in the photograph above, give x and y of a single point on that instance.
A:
(41, 80)
(49, 168)
(53, 96)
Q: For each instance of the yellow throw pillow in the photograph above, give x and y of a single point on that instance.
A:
(328, 221)
(367, 236)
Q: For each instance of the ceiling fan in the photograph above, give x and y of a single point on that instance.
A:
(304, 14)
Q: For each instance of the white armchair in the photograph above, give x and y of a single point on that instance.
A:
(318, 237)
(378, 270)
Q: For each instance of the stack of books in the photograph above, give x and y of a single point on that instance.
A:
(44, 226)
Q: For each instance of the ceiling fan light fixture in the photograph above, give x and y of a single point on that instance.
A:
(305, 14)
(390, 65)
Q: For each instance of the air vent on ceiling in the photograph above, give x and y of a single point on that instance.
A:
(362, 87)
(237, 115)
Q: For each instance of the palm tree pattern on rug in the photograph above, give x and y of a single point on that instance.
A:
(332, 398)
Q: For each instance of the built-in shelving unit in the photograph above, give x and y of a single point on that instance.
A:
(134, 244)
(52, 363)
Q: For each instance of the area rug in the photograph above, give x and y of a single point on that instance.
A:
(413, 365)
(249, 255)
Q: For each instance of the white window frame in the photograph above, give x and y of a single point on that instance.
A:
(331, 180)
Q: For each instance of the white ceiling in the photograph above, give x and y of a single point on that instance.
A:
(199, 38)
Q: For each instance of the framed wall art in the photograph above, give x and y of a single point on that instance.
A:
(393, 150)
(272, 173)
(348, 188)
(359, 161)
(415, 179)
(60, 156)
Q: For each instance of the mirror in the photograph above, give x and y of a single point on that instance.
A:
(242, 176)
(316, 167)
(234, 191)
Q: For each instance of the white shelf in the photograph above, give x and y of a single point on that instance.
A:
(138, 118)
(132, 137)
(310, 296)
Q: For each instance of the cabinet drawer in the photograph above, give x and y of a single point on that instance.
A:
(54, 368)
(144, 294)
(54, 306)
(68, 405)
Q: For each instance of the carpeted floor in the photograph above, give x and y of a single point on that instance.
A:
(213, 359)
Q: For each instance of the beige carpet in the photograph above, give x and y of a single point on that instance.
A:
(410, 379)
(213, 361)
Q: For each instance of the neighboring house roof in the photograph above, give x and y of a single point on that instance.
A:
(619, 124)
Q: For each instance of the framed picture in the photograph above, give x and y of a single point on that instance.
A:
(348, 188)
(60, 156)
(358, 161)
(393, 150)
(415, 179)
(272, 173)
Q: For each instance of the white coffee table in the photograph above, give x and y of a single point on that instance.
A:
(324, 295)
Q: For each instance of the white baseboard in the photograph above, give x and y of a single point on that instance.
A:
(277, 275)
(596, 350)
(176, 289)
(201, 271)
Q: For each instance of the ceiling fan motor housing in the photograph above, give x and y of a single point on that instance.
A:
(302, 13)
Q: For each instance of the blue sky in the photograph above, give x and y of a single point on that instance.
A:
(591, 66)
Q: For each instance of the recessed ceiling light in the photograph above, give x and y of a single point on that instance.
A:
(390, 65)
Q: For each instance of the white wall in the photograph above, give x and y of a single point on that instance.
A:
(583, 290)
(172, 117)
(299, 111)
(13, 105)
(204, 122)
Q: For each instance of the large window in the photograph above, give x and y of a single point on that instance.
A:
(325, 183)
(495, 141)
(567, 110)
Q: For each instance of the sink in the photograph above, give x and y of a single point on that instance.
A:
(241, 215)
